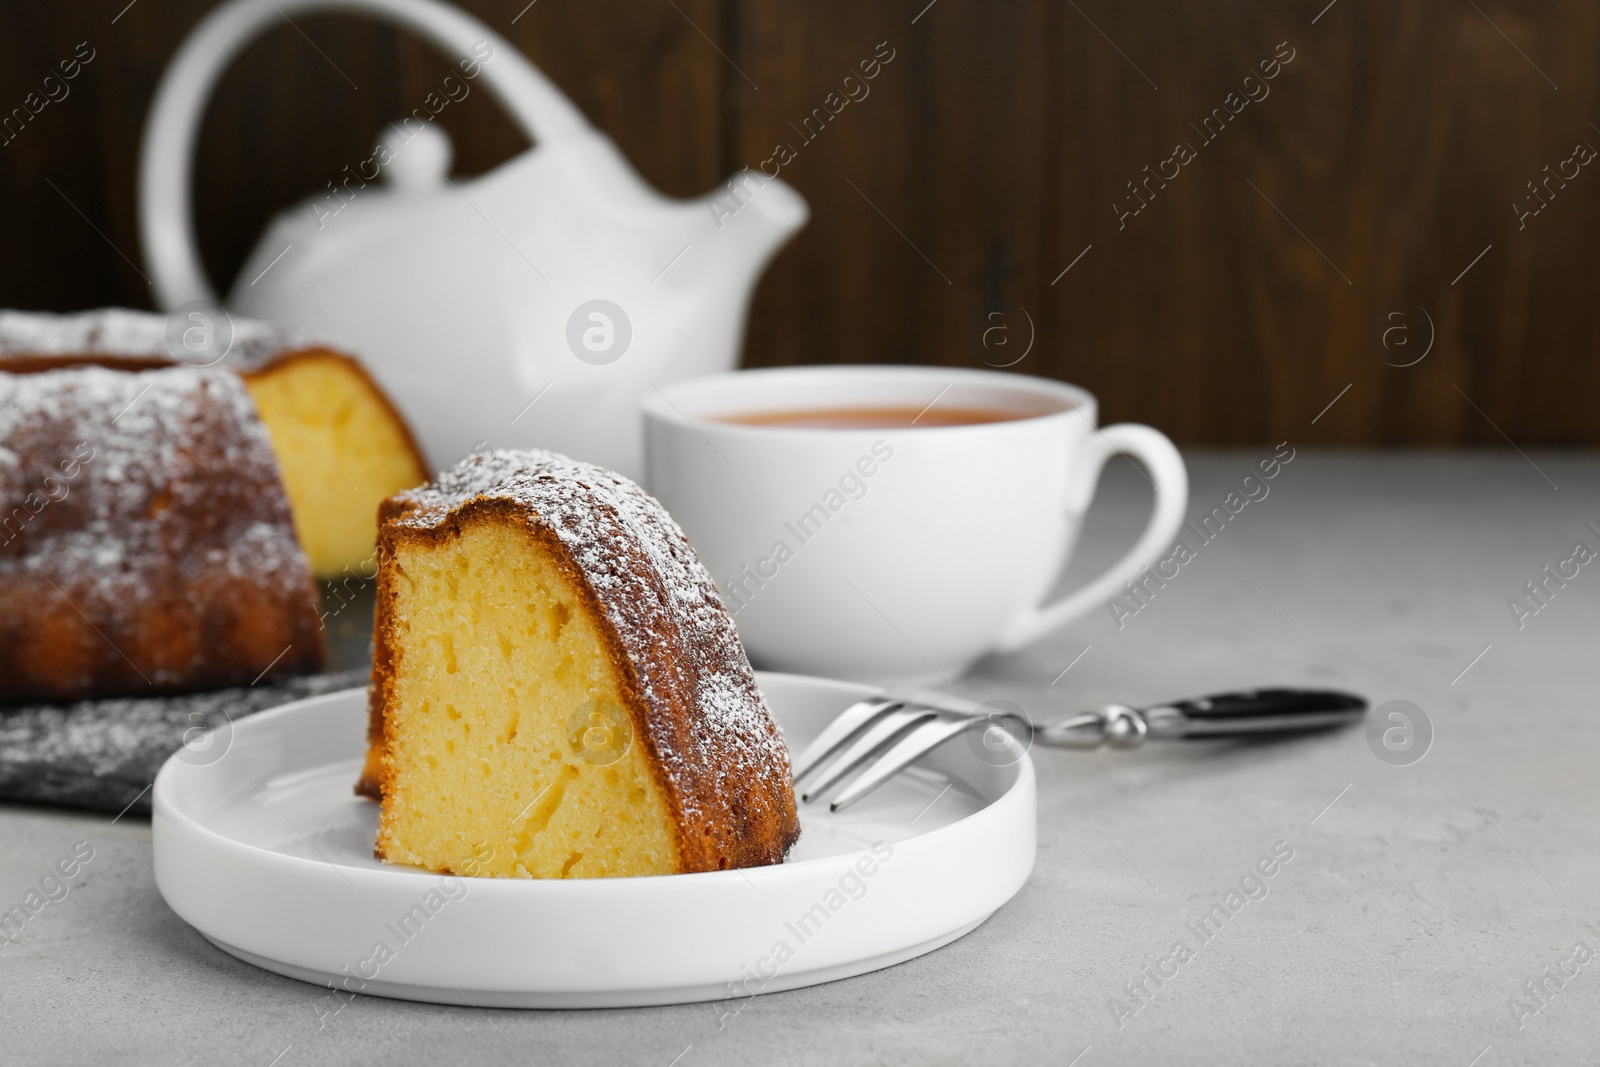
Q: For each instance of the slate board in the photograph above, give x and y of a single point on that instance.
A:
(104, 754)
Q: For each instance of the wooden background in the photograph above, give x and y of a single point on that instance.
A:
(1245, 298)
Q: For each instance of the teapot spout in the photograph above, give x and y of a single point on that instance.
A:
(754, 215)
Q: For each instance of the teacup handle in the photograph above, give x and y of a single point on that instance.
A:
(1160, 457)
(166, 158)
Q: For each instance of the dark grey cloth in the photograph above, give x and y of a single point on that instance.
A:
(104, 754)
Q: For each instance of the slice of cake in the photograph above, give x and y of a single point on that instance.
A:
(557, 691)
(341, 445)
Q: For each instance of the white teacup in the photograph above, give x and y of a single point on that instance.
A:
(895, 554)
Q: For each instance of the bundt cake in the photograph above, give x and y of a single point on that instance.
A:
(341, 445)
(146, 544)
(556, 686)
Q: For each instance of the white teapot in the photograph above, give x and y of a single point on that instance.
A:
(531, 306)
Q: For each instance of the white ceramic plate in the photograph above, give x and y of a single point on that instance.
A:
(267, 853)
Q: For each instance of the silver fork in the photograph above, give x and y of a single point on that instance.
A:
(877, 738)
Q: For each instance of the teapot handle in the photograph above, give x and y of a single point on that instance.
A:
(166, 221)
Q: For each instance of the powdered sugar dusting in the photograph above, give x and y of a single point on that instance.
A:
(150, 502)
(124, 332)
(658, 597)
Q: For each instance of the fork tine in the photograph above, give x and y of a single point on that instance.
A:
(853, 719)
(869, 740)
(910, 748)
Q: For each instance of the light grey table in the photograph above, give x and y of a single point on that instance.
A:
(1418, 902)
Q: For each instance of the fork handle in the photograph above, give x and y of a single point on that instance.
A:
(1261, 711)
(1255, 711)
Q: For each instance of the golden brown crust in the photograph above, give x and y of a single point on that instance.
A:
(375, 771)
(717, 758)
(29, 363)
